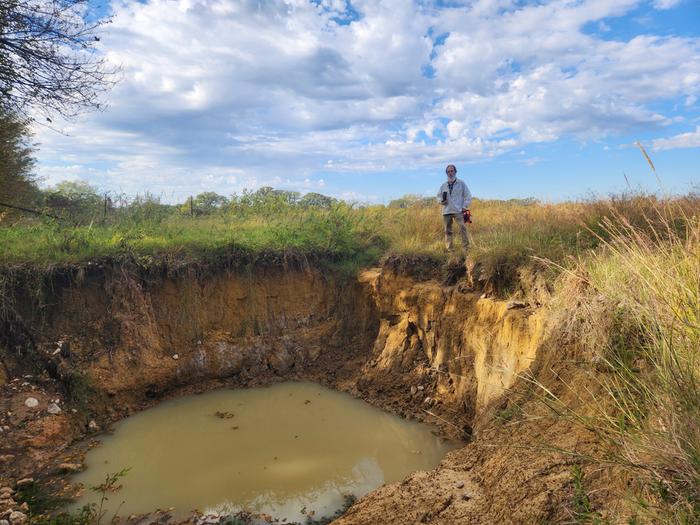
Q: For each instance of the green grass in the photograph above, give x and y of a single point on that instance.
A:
(337, 233)
(505, 234)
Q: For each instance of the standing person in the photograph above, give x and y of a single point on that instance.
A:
(455, 198)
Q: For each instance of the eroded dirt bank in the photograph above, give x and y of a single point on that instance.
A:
(103, 342)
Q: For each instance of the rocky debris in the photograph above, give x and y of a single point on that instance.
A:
(209, 519)
(53, 409)
(64, 349)
(70, 467)
(17, 518)
(224, 414)
(512, 305)
(31, 402)
(93, 426)
(414, 390)
(459, 485)
(176, 356)
(24, 482)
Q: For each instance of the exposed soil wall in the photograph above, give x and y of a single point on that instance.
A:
(136, 336)
(465, 347)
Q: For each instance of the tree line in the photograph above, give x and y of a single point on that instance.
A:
(79, 203)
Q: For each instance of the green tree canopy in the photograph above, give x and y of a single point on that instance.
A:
(316, 200)
(412, 200)
(16, 161)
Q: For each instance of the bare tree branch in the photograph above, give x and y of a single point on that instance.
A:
(49, 58)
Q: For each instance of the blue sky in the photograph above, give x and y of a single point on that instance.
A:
(368, 100)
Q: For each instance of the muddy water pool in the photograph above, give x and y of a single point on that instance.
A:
(278, 450)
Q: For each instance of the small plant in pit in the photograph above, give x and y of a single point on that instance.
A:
(510, 412)
(581, 503)
(42, 505)
(109, 486)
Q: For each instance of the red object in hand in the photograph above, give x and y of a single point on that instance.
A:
(467, 216)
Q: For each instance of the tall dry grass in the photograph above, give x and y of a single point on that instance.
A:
(633, 306)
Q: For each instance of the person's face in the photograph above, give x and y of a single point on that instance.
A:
(451, 172)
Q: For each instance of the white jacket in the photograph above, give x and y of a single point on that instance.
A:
(460, 197)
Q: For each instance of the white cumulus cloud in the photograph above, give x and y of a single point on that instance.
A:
(683, 140)
(236, 92)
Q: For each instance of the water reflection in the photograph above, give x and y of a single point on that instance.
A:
(323, 500)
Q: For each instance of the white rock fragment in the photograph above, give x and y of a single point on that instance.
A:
(18, 518)
(70, 467)
(176, 356)
(31, 402)
(54, 409)
(92, 425)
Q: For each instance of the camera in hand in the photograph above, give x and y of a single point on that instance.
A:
(444, 197)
